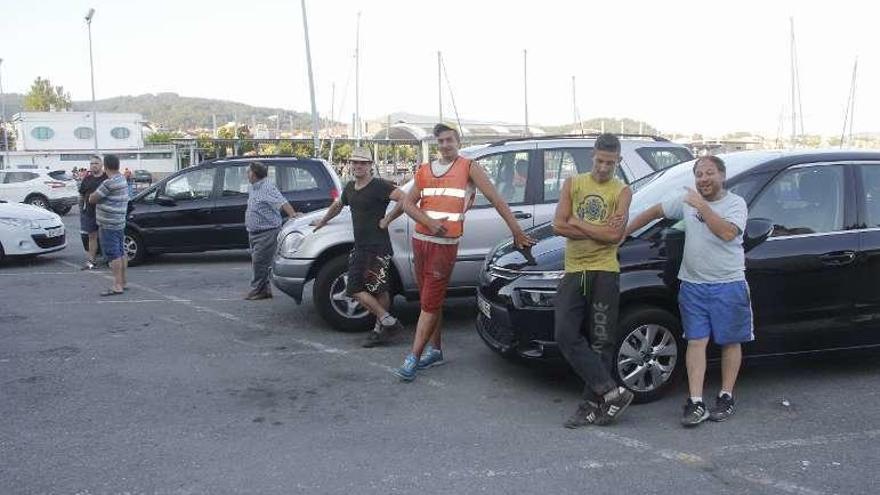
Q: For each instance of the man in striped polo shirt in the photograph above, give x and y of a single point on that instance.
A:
(111, 208)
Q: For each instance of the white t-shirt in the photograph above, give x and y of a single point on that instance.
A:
(707, 258)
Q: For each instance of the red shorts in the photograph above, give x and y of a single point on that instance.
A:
(433, 267)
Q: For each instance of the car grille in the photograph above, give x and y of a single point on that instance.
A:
(500, 335)
(48, 242)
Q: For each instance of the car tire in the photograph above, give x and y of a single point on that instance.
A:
(2, 254)
(39, 201)
(64, 210)
(335, 308)
(134, 247)
(650, 352)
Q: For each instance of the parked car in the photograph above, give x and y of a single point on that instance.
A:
(27, 230)
(813, 281)
(143, 176)
(51, 190)
(529, 174)
(201, 208)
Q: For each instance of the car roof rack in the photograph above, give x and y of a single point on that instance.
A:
(576, 136)
(256, 157)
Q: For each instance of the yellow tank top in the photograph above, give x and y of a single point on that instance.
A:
(594, 203)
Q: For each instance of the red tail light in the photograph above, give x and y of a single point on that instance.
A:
(334, 193)
(55, 185)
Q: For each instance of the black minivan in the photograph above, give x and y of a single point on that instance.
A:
(201, 208)
(812, 263)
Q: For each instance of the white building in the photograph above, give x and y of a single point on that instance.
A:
(63, 140)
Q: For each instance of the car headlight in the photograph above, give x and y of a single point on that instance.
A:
(291, 243)
(19, 222)
(537, 298)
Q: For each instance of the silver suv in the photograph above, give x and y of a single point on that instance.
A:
(528, 172)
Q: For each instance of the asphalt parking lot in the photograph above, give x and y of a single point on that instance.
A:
(181, 387)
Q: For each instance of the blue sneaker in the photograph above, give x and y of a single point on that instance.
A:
(407, 372)
(430, 358)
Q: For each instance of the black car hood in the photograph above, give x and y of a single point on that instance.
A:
(548, 254)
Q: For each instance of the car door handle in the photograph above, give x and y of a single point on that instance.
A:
(204, 211)
(521, 215)
(838, 258)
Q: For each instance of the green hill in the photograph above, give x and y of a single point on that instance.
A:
(176, 112)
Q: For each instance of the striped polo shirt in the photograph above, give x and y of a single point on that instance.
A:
(112, 204)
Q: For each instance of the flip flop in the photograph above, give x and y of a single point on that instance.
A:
(110, 292)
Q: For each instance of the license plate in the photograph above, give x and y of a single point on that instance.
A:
(54, 232)
(484, 306)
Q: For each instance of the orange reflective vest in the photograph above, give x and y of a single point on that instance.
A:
(445, 197)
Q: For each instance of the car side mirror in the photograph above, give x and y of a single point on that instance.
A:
(757, 231)
(163, 200)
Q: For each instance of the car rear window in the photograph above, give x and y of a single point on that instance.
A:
(60, 175)
(298, 178)
(664, 157)
(13, 177)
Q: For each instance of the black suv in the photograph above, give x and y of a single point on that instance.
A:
(201, 208)
(812, 263)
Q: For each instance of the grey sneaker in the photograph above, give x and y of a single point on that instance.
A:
(392, 331)
(723, 408)
(586, 414)
(375, 338)
(694, 413)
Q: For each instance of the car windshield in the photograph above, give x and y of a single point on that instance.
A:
(661, 185)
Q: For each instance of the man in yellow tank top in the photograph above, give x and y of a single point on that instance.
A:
(592, 214)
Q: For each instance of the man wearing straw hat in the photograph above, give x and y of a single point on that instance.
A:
(370, 260)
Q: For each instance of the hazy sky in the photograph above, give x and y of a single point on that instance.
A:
(680, 65)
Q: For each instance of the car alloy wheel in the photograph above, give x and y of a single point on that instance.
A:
(347, 307)
(647, 357)
(131, 247)
(39, 202)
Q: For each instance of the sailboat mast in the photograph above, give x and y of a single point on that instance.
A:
(439, 87)
(793, 107)
(357, 81)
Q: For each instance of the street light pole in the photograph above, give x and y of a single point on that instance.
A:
(89, 16)
(3, 121)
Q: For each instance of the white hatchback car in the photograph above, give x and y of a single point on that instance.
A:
(27, 230)
(52, 190)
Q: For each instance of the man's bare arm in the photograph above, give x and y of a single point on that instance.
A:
(612, 232)
(723, 229)
(288, 208)
(644, 218)
(398, 196)
(563, 214)
(481, 180)
(334, 210)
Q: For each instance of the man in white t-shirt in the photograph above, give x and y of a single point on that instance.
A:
(714, 296)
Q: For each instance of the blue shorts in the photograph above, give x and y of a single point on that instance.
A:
(112, 243)
(87, 223)
(722, 311)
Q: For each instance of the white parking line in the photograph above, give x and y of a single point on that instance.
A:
(798, 442)
(257, 326)
(141, 301)
(694, 460)
(135, 270)
(582, 465)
